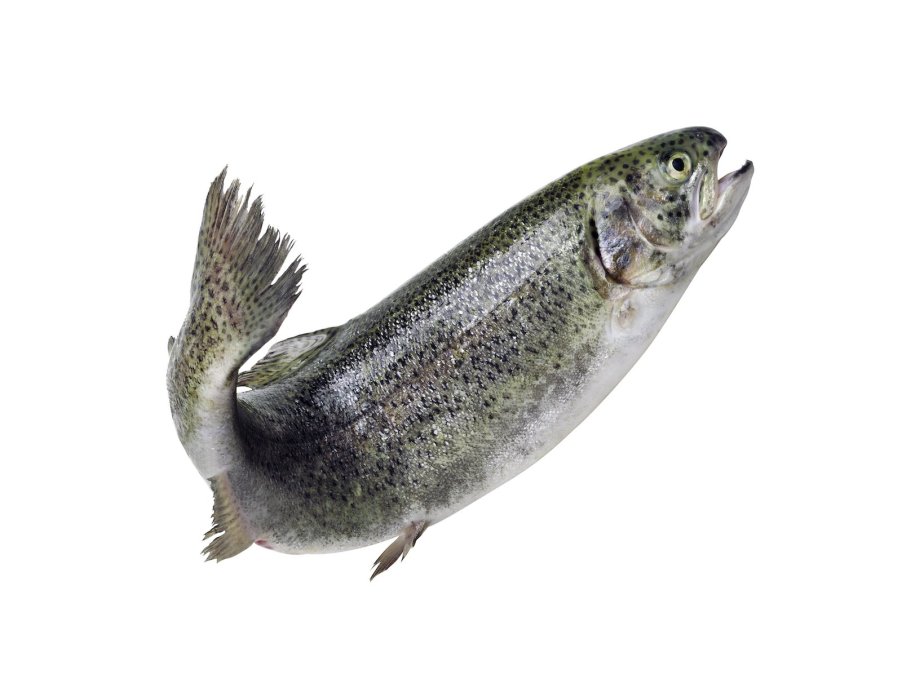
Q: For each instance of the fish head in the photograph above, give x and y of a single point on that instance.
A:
(659, 207)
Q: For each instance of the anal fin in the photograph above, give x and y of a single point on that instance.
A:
(232, 535)
(400, 547)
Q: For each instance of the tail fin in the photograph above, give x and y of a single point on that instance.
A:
(235, 268)
(236, 307)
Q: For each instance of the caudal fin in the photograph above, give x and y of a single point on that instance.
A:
(237, 305)
(233, 284)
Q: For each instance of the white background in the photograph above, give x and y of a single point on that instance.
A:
(732, 509)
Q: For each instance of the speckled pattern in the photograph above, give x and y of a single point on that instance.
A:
(473, 369)
(234, 310)
(412, 402)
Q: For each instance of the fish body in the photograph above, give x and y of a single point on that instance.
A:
(457, 381)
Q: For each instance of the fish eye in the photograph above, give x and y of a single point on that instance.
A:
(678, 166)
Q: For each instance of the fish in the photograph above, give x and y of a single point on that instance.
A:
(456, 382)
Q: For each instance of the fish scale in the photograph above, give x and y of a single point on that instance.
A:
(465, 375)
(458, 358)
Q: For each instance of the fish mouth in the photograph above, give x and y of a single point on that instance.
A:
(716, 203)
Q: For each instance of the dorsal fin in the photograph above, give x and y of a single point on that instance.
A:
(285, 357)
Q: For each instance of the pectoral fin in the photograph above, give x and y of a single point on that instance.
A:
(399, 548)
(285, 358)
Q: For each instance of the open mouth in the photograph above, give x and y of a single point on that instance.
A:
(731, 191)
(714, 201)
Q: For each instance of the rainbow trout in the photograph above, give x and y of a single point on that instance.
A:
(457, 381)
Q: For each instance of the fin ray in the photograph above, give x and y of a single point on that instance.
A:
(232, 535)
(234, 280)
(400, 547)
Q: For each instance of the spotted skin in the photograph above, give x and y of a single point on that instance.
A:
(235, 307)
(476, 367)
(452, 367)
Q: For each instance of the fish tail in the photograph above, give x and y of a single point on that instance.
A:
(238, 301)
